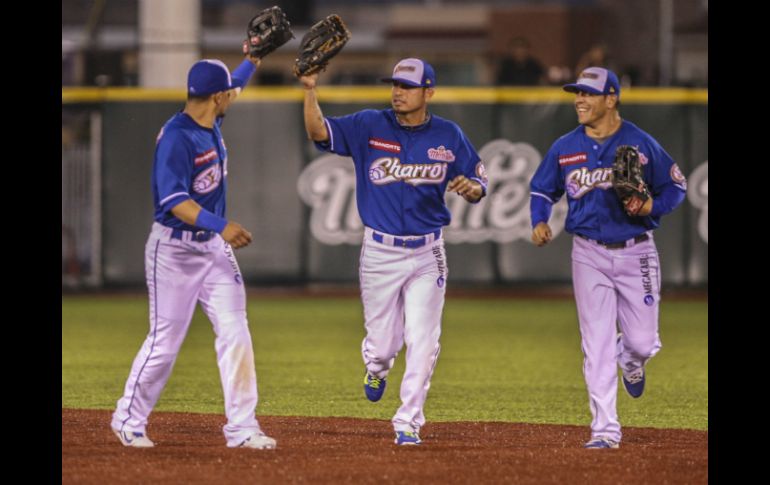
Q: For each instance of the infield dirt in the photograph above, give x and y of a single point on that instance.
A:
(190, 448)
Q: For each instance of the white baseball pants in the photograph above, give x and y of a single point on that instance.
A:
(179, 274)
(402, 290)
(614, 287)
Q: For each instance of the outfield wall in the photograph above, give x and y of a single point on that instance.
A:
(299, 203)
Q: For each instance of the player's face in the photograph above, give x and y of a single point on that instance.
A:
(408, 99)
(591, 108)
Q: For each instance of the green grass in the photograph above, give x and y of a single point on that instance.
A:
(501, 360)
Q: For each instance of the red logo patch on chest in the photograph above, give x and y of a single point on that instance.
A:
(388, 146)
(205, 157)
(573, 158)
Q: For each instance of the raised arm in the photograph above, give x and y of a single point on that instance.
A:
(314, 118)
(242, 74)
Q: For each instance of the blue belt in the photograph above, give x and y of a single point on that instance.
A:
(407, 243)
(197, 236)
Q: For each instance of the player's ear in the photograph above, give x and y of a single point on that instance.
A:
(612, 101)
(224, 96)
(429, 93)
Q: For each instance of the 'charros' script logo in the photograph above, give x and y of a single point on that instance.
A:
(441, 153)
(327, 185)
(387, 170)
(699, 197)
(581, 181)
(208, 180)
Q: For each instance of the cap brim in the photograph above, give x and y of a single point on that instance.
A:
(402, 81)
(574, 88)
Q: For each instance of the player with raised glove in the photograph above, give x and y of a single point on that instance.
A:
(190, 258)
(628, 181)
(323, 41)
(408, 157)
(266, 32)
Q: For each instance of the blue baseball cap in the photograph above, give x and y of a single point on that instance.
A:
(210, 76)
(413, 72)
(595, 80)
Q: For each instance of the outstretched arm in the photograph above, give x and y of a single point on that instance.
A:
(242, 74)
(314, 118)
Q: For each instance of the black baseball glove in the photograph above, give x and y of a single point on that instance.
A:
(627, 179)
(266, 32)
(323, 41)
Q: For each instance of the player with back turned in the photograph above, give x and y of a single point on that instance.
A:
(405, 159)
(615, 264)
(189, 255)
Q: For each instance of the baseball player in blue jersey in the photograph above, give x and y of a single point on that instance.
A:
(189, 259)
(615, 265)
(404, 158)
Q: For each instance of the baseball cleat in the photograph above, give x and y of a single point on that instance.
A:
(598, 443)
(407, 438)
(634, 382)
(134, 439)
(374, 387)
(258, 442)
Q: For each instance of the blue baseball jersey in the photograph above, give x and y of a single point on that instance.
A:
(402, 172)
(190, 163)
(581, 167)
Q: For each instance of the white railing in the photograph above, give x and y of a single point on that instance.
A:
(81, 210)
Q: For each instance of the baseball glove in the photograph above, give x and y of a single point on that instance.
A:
(266, 32)
(323, 41)
(627, 179)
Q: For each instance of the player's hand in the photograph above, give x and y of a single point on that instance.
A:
(469, 189)
(541, 234)
(643, 211)
(236, 235)
(254, 60)
(309, 81)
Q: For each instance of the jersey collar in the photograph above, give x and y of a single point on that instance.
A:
(410, 128)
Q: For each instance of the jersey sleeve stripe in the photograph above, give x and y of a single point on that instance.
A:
(331, 134)
(538, 194)
(177, 194)
(480, 181)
